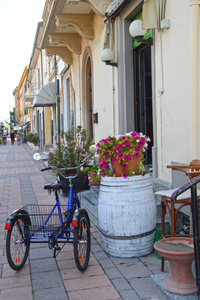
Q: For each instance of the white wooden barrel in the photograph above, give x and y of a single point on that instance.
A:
(127, 215)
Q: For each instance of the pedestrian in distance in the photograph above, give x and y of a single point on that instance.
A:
(12, 136)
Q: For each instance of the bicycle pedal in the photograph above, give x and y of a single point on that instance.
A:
(57, 248)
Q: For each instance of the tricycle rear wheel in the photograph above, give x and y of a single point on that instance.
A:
(16, 249)
(82, 242)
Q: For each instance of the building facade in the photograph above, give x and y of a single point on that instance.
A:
(111, 83)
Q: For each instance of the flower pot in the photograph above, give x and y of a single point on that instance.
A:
(127, 215)
(92, 182)
(133, 164)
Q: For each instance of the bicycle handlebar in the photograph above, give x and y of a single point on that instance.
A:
(45, 169)
(70, 168)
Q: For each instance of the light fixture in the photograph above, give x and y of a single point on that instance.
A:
(107, 56)
(137, 32)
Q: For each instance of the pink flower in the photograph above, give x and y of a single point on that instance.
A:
(125, 175)
(123, 166)
(106, 155)
(142, 140)
(121, 138)
(104, 174)
(139, 147)
(105, 141)
(127, 157)
(137, 154)
(115, 145)
(134, 133)
(105, 164)
(126, 143)
(120, 146)
(114, 159)
(110, 138)
(98, 145)
(120, 153)
(133, 146)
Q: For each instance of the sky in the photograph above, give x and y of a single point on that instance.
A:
(18, 24)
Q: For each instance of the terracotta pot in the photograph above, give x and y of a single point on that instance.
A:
(92, 183)
(133, 164)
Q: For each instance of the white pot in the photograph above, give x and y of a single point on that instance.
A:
(127, 215)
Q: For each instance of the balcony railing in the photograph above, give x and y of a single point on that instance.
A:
(32, 88)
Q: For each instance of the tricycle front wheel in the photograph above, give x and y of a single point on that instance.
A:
(16, 250)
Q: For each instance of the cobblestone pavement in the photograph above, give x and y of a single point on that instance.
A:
(43, 277)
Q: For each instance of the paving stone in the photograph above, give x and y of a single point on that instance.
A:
(100, 293)
(144, 287)
(113, 273)
(101, 255)
(24, 293)
(8, 272)
(46, 280)
(56, 293)
(129, 295)
(121, 284)
(43, 252)
(134, 270)
(75, 273)
(43, 265)
(15, 281)
(106, 263)
(87, 283)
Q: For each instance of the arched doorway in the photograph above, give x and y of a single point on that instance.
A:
(87, 93)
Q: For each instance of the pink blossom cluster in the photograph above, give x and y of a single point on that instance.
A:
(120, 149)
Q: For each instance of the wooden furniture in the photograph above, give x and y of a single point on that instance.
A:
(192, 170)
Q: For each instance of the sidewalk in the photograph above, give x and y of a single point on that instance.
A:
(46, 278)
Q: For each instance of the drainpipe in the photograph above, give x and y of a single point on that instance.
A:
(194, 65)
(57, 105)
(43, 125)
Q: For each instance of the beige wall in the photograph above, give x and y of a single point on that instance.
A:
(102, 83)
(172, 61)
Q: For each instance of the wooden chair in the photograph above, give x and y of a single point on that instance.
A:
(192, 170)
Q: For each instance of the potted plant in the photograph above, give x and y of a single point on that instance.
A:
(124, 153)
(126, 204)
(92, 174)
(70, 152)
(33, 141)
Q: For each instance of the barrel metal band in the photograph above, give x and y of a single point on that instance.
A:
(128, 237)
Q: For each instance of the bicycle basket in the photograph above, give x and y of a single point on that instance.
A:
(80, 184)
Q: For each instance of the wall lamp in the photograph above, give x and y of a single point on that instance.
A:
(137, 32)
(107, 57)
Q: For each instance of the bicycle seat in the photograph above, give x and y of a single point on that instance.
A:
(53, 186)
